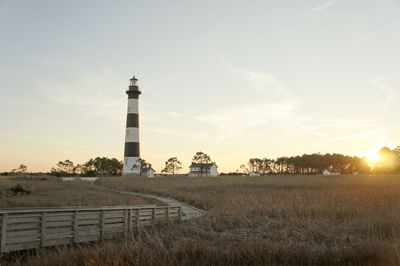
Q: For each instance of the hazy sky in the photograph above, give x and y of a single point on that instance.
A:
(234, 79)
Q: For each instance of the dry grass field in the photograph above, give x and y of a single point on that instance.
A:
(273, 220)
(53, 192)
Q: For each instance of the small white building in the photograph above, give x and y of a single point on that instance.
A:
(254, 174)
(326, 172)
(203, 169)
(148, 172)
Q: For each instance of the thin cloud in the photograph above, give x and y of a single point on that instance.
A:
(325, 5)
(92, 93)
(164, 79)
(388, 84)
(274, 106)
(263, 82)
(357, 135)
(175, 114)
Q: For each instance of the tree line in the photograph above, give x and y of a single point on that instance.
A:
(99, 166)
(315, 163)
(104, 166)
(389, 163)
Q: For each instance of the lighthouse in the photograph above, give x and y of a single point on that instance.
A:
(132, 152)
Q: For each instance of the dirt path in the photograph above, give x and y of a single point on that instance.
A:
(187, 210)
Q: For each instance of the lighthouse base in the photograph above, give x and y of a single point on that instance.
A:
(131, 167)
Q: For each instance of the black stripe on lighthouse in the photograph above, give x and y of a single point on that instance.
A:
(132, 120)
(131, 149)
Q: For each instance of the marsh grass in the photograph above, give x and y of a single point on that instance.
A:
(274, 220)
(54, 192)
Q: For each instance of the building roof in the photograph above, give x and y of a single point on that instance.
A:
(202, 165)
(148, 169)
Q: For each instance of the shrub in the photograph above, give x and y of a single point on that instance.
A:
(19, 189)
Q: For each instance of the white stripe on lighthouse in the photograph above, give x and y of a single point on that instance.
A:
(132, 134)
(133, 106)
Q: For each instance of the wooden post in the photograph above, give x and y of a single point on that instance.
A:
(130, 220)
(3, 240)
(43, 229)
(137, 217)
(180, 212)
(76, 227)
(102, 220)
(126, 223)
(154, 216)
(167, 210)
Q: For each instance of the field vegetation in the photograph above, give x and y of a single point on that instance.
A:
(51, 192)
(272, 220)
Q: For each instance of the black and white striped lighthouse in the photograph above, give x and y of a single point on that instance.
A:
(132, 152)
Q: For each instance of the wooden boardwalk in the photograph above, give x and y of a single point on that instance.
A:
(29, 228)
(187, 210)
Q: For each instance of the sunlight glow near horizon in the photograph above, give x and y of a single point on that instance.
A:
(373, 158)
(235, 80)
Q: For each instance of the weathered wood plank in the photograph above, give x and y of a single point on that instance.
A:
(114, 220)
(24, 226)
(21, 210)
(58, 241)
(130, 221)
(89, 227)
(59, 236)
(3, 239)
(102, 226)
(34, 232)
(43, 229)
(60, 230)
(153, 218)
(16, 220)
(89, 238)
(89, 216)
(59, 224)
(89, 222)
(137, 218)
(112, 226)
(23, 246)
(114, 215)
(22, 239)
(76, 227)
(126, 222)
(60, 218)
(90, 233)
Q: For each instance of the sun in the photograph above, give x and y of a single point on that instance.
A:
(373, 157)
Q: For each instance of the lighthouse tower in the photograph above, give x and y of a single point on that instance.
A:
(131, 154)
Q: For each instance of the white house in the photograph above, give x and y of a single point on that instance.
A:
(254, 174)
(203, 169)
(148, 172)
(326, 172)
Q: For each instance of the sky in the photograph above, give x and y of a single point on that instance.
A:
(234, 79)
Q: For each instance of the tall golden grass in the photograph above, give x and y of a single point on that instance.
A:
(54, 192)
(277, 220)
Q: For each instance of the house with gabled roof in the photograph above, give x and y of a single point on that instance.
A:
(203, 169)
(148, 172)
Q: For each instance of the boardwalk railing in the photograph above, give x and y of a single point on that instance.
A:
(22, 229)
